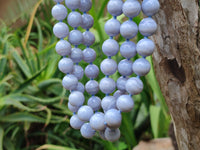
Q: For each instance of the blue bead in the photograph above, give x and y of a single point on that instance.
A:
(63, 48)
(150, 7)
(87, 131)
(70, 82)
(147, 27)
(85, 5)
(85, 113)
(80, 87)
(108, 102)
(75, 122)
(76, 98)
(59, 12)
(125, 103)
(97, 121)
(125, 67)
(92, 87)
(65, 65)
(107, 85)
(113, 118)
(134, 86)
(129, 29)
(131, 8)
(141, 67)
(60, 30)
(92, 71)
(89, 55)
(112, 134)
(128, 49)
(118, 93)
(78, 72)
(75, 37)
(72, 108)
(87, 21)
(75, 4)
(94, 102)
(121, 84)
(74, 19)
(112, 27)
(88, 38)
(76, 55)
(114, 7)
(145, 47)
(108, 66)
(110, 47)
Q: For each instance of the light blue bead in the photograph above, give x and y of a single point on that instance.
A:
(125, 67)
(72, 108)
(112, 134)
(92, 87)
(59, 12)
(110, 47)
(58, 1)
(131, 8)
(145, 47)
(78, 72)
(87, 131)
(121, 84)
(97, 121)
(107, 85)
(87, 21)
(112, 27)
(76, 55)
(108, 66)
(125, 103)
(94, 102)
(63, 48)
(113, 118)
(80, 87)
(66, 65)
(88, 38)
(114, 7)
(75, 37)
(75, 4)
(89, 55)
(118, 93)
(150, 7)
(75, 122)
(85, 5)
(60, 30)
(134, 86)
(108, 102)
(74, 19)
(141, 67)
(147, 27)
(76, 98)
(85, 113)
(128, 49)
(70, 82)
(129, 29)
(92, 71)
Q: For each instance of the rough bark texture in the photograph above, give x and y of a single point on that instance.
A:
(177, 66)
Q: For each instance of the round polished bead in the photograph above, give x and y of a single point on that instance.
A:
(141, 67)
(125, 103)
(76, 98)
(131, 8)
(78, 72)
(59, 12)
(63, 48)
(72, 108)
(110, 47)
(60, 30)
(107, 85)
(94, 102)
(108, 66)
(129, 29)
(134, 86)
(128, 49)
(89, 55)
(76, 55)
(80, 87)
(112, 134)
(121, 84)
(58, 1)
(75, 122)
(113, 118)
(145, 47)
(85, 5)
(85, 113)
(150, 7)
(92, 71)
(147, 27)
(125, 67)
(118, 93)
(70, 82)
(112, 27)
(66, 65)
(114, 7)
(87, 131)
(75, 4)
(75, 37)
(88, 38)
(92, 87)
(87, 21)
(97, 121)
(108, 102)
(74, 19)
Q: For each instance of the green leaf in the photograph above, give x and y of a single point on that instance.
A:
(53, 147)
(1, 138)
(40, 37)
(155, 117)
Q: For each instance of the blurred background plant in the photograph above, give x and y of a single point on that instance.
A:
(33, 104)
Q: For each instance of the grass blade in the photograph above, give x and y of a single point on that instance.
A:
(1, 138)
(53, 147)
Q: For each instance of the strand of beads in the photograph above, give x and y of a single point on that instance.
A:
(108, 66)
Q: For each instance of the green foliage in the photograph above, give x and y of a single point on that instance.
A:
(33, 103)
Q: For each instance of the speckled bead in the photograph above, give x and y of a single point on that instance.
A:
(121, 84)
(114, 7)
(89, 55)
(118, 93)
(92, 71)
(74, 19)
(80, 87)
(128, 49)
(129, 29)
(85, 5)
(70, 82)
(76, 98)
(108, 102)
(108, 66)
(78, 72)
(150, 7)
(141, 67)
(60, 30)
(113, 118)
(63, 48)
(85, 113)
(125, 103)
(131, 8)
(134, 86)
(72, 108)
(147, 27)
(125, 67)
(107, 85)
(87, 131)
(110, 47)
(92, 87)
(94, 102)
(75, 4)
(75, 122)
(75, 37)
(87, 21)
(88, 38)
(65, 65)
(145, 47)
(112, 135)
(59, 12)
(97, 121)
(112, 27)
(76, 55)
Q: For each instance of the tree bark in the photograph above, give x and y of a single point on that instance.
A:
(177, 66)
